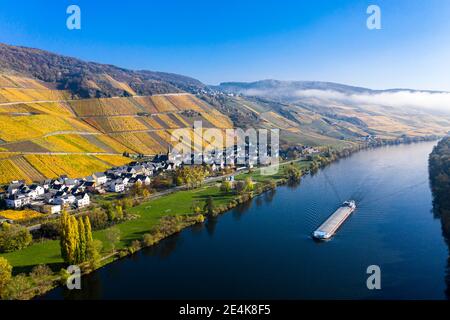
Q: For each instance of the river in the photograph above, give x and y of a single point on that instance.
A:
(264, 250)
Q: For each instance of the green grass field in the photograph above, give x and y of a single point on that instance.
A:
(179, 203)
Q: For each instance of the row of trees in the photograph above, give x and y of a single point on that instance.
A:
(76, 239)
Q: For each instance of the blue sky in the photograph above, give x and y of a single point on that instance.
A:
(217, 41)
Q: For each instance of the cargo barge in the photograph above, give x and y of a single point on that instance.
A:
(332, 224)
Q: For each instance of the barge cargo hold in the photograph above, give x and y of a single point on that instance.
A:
(330, 226)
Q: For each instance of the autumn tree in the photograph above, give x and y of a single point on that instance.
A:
(5, 274)
(69, 238)
(81, 245)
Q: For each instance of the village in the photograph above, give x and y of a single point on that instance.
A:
(51, 196)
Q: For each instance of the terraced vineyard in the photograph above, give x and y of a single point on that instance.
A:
(45, 133)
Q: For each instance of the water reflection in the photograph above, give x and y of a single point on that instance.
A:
(441, 210)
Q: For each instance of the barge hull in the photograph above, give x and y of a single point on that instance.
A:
(332, 224)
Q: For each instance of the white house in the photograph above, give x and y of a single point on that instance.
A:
(117, 186)
(82, 200)
(65, 200)
(100, 178)
(39, 190)
(52, 209)
(17, 201)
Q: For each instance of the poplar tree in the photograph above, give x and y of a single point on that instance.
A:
(88, 230)
(69, 238)
(74, 239)
(81, 245)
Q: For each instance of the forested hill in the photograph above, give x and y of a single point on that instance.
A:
(439, 166)
(89, 79)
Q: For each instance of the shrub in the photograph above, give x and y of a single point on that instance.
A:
(41, 277)
(200, 218)
(135, 246)
(14, 237)
(17, 288)
(226, 186)
(50, 230)
(99, 219)
(148, 240)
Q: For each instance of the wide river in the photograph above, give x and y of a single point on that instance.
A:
(264, 249)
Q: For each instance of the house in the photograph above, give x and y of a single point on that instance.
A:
(46, 184)
(39, 190)
(82, 200)
(143, 179)
(117, 186)
(65, 200)
(90, 186)
(100, 178)
(18, 201)
(14, 187)
(51, 209)
(70, 183)
(161, 158)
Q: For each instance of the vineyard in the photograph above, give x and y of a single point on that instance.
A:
(45, 133)
(74, 166)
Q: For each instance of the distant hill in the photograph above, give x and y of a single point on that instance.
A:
(289, 89)
(315, 112)
(90, 79)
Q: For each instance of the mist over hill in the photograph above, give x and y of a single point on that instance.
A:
(329, 93)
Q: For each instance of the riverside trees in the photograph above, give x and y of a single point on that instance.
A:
(76, 239)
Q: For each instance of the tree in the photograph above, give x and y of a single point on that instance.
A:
(69, 238)
(293, 173)
(119, 212)
(209, 206)
(5, 274)
(113, 237)
(249, 185)
(240, 187)
(110, 211)
(98, 219)
(226, 186)
(88, 230)
(93, 254)
(196, 209)
(81, 243)
(14, 237)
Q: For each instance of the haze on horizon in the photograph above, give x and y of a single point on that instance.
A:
(215, 42)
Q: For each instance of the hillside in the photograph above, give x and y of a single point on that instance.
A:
(45, 133)
(336, 111)
(88, 79)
